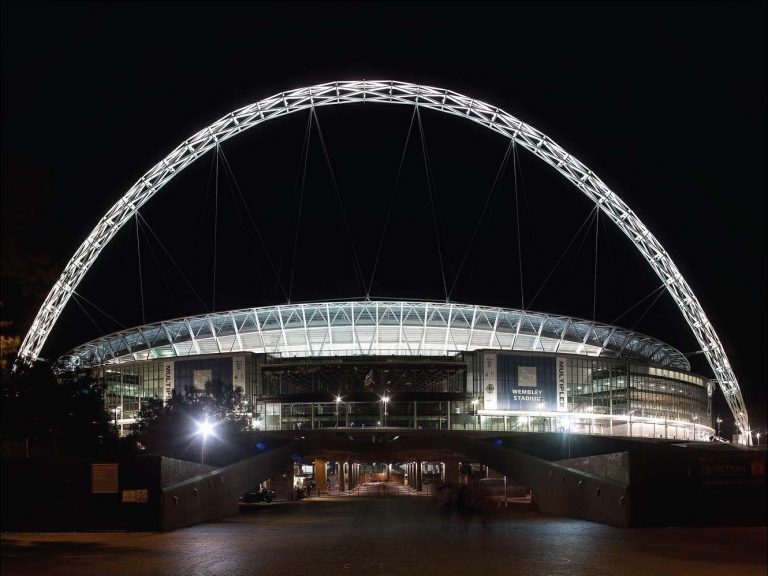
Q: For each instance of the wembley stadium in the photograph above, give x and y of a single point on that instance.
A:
(441, 366)
(399, 364)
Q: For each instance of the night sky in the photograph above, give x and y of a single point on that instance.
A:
(665, 103)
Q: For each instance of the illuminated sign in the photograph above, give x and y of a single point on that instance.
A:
(168, 380)
(561, 377)
(490, 384)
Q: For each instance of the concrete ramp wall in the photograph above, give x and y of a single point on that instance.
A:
(214, 494)
(559, 490)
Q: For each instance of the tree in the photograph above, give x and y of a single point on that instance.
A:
(172, 427)
(64, 414)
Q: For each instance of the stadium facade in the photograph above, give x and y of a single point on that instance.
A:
(404, 364)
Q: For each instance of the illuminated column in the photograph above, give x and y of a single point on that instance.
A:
(417, 467)
(451, 472)
(342, 476)
(320, 478)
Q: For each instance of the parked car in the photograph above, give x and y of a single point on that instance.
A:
(258, 496)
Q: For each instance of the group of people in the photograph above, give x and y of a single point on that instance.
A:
(466, 502)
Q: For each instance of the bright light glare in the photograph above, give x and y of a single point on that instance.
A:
(338, 399)
(205, 428)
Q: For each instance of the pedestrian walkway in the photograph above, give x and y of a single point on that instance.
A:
(389, 536)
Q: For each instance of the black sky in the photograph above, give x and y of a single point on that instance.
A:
(665, 102)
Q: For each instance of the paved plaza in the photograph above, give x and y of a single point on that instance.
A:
(389, 536)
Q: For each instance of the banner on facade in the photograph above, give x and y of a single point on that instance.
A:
(561, 377)
(238, 372)
(490, 385)
(201, 378)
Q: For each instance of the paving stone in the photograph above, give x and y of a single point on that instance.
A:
(384, 536)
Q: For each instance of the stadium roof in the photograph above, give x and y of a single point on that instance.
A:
(371, 328)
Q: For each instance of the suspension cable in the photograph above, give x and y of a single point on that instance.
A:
(659, 295)
(356, 261)
(560, 259)
(636, 304)
(594, 281)
(517, 218)
(205, 197)
(141, 282)
(296, 185)
(215, 225)
(494, 187)
(144, 221)
(75, 293)
(160, 269)
(235, 187)
(99, 328)
(302, 181)
(243, 224)
(391, 203)
(425, 154)
(578, 251)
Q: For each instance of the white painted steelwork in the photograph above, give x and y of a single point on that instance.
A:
(391, 92)
(371, 328)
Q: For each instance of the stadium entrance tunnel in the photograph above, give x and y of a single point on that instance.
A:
(620, 481)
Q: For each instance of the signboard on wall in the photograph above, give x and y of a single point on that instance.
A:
(561, 380)
(526, 395)
(526, 376)
(490, 385)
(238, 372)
(140, 496)
(167, 380)
(104, 478)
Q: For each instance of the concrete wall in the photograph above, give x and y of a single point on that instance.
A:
(559, 490)
(613, 466)
(215, 494)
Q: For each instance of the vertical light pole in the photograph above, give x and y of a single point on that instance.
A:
(117, 411)
(695, 417)
(719, 421)
(385, 400)
(204, 429)
(758, 438)
(338, 405)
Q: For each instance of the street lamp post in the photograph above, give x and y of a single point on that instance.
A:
(385, 400)
(338, 404)
(719, 421)
(204, 429)
(117, 411)
(758, 438)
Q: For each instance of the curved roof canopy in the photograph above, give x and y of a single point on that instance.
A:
(396, 328)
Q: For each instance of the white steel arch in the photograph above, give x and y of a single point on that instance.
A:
(392, 92)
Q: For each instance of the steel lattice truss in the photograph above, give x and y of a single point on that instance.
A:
(371, 328)
(391, 92)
